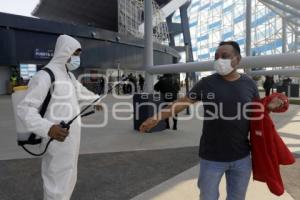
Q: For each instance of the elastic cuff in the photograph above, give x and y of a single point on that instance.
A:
(46, 129)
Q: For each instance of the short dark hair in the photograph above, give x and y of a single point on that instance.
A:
(234, 44)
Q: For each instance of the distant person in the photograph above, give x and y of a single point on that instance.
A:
(285, 86)
(132, 84)
(124, 84)
(135, 83)
(59, 164)
(102, 85)
(268, 85)
(141, 82)
(287, 81)
(14, 79)
(169, 86)
(110, 83)
(94, 83)
(21, 81)
(224, 145)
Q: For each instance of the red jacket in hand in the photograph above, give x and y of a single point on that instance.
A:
(267, 148)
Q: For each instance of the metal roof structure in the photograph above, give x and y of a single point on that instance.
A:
(20, 37)
(97, 13)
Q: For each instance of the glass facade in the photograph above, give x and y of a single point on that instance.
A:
(212, 21)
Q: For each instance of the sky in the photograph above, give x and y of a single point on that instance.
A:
(18, 7)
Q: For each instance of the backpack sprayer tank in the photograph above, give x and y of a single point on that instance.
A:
(23, 134)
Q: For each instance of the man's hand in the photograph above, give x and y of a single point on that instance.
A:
(148, 124)
(275, 104)
(98, 107)
(58, 133)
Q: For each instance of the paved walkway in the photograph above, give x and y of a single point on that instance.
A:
(119, 136)
(184, 186)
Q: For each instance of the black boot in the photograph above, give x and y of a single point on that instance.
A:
(175, 123)
(167, 124)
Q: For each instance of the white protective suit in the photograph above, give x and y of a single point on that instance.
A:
(59, 164)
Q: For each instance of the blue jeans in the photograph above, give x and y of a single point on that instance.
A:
(237, 178)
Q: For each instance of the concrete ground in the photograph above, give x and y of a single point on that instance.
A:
(113, 176)
(184, 186)
(117, 162)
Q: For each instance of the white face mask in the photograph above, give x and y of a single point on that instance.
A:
(223, 66)
(74, 63)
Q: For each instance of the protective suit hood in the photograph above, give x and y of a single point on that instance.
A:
(64, 48)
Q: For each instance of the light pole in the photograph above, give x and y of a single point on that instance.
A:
(187, 75)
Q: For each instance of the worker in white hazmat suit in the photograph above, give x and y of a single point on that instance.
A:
(59, 164)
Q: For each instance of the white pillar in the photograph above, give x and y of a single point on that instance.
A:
(248, 28)
(148, 45)
(284, 35)
(287, 59)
